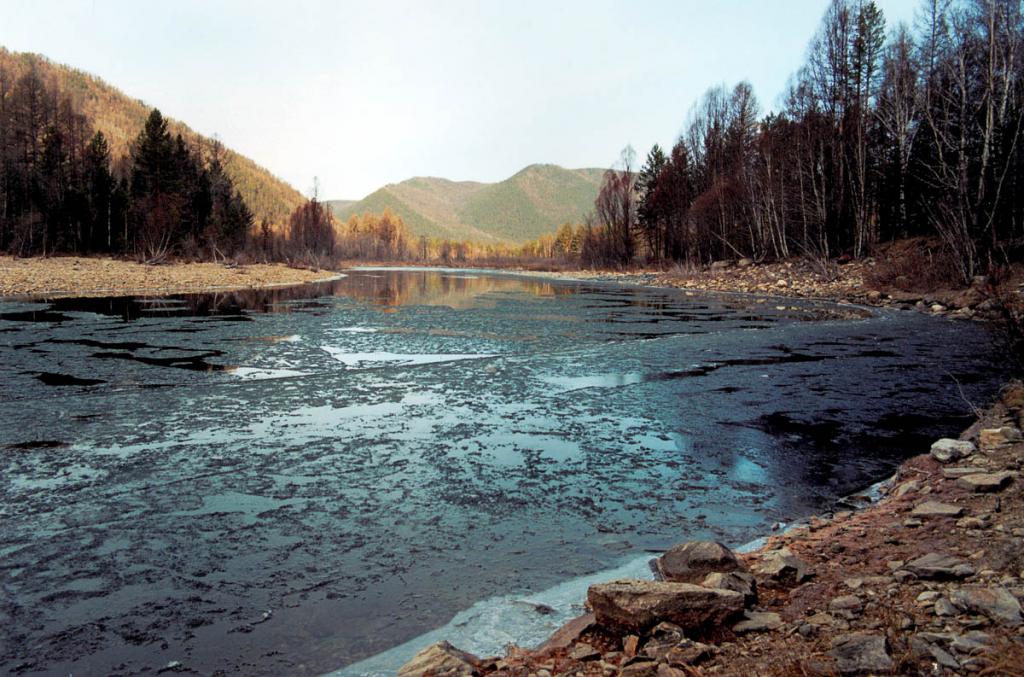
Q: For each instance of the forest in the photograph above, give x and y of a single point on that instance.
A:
(885, 133)
(61, 191)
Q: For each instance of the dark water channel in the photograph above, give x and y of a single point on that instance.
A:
(290, 481)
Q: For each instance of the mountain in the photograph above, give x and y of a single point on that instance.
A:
(120, 118)
(533, 202)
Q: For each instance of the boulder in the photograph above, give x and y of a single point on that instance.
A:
(947, 450)
(937, 509)
(782, 566)
(637, 604)
(861, 653)
(934, 566)
(691, 562)
(440, 660)
(737, 581)
(995, 603)
(758, 621)
(986, 482)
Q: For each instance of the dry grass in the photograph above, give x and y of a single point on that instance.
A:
(917, 266)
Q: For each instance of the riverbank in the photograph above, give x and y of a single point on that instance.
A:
(925, 581)
(81, 276)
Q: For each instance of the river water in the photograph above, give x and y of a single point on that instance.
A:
(293, 481)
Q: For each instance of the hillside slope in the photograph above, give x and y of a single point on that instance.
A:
(120, 118)
(523, 207)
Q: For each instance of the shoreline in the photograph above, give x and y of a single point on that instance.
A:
(66, 276)
(932, 573)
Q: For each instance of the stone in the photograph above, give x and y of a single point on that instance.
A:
(971, 642)
(934, 566)
(954, 473)
(663, 638)
(782, 566)
(691, 562)
(905, 488)
(782, 283)
(861, 653)
(986, 482)
(568, 634)
(584, 652)
(643, 667)
(665, 670)
(924, 646)
(847, 606)
(993, 438)
(758, 621)
(737, 581)
(721, 265)
(943, 607)
(629, 645)
(927, 597)
(440, 660)
(995, 603)
(937, 509)
(745, 262)
(947, 450)
(632, 603)
(689, 653)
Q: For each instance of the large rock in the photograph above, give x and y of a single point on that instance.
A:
(636, 604)
(934, 566)
(937, 509)
(996, 603)
(737, 581)
(986, 482)
(993, 438)
(692, 561)
(861, 653)
(440, 660)
(782, 566)
(947, 450)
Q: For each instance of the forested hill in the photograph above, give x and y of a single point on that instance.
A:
(121, 118)
(533, 202)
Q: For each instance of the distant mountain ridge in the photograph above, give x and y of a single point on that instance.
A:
(121, 118)
(531, 203)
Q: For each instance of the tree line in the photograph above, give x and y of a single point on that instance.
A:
(62, 192)
(882, 135)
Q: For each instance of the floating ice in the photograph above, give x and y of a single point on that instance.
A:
(381, 358)
(259, 374)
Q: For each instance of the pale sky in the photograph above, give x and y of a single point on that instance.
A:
(360, 94)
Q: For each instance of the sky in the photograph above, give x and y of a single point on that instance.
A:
(361, 94)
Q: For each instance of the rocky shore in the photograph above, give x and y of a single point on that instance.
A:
(928, 580)
(81, 276)
(850, 283)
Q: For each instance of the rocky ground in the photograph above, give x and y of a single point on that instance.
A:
(850, 282)
(79, 276)
(926, 581)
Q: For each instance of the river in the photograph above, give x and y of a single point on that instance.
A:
(292, 481)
